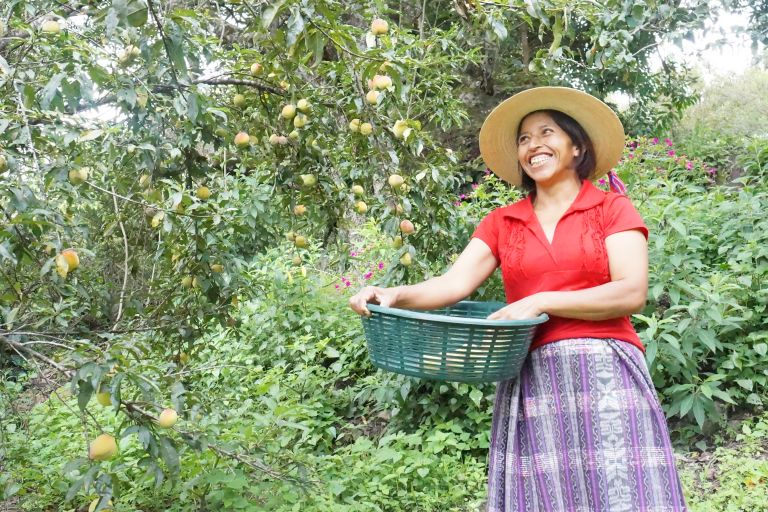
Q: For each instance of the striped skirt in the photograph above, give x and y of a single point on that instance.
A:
(581, 430)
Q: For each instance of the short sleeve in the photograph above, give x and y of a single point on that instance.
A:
(620, 215)
(488, 232)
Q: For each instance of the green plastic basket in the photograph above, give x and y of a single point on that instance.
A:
(456, 343)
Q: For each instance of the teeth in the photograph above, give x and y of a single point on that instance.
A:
(539, 159)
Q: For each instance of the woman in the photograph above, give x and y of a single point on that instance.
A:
(581, 428)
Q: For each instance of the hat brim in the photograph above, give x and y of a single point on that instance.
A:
(498, 145)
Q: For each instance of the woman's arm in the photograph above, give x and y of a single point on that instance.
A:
(623, 295)
(472, 267)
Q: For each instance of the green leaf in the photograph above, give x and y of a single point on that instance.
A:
(476, 395)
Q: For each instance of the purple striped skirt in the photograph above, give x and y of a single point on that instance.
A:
(581, 430)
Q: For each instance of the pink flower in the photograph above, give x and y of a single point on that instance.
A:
(381, 265)
(474, 186)
(463, 196)
(487, 172)
(367, 275)
(348, 284)
(671, 152)
(337, 287)
(712, 171)
(655, 140)
(631, 156)
(689, 165)
(602, 181)
(668, 142)
(457, 203)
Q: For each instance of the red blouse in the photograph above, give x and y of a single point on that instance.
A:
(576, 259)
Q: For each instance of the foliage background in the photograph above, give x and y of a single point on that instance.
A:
(206, 305)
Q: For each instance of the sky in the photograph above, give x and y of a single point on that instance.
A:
(731, 59)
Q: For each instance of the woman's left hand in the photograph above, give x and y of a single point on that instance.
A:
(524, 309)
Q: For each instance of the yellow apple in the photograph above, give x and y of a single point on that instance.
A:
(400, 128)
(72, 259)
(361, 207)
(407, 227)
(379, 27)
(167, 418)
(397, 242)
(294, 135)
(308, 180)
(395, 181)
(299, 209)
(288, 111)
(406, 259)
(366, 129)
(354, 125)
(104, 447)
(218, 268)
(145, 180)
(157, 219)
(300, 121)
(304, 105)
(239, 100)
(301, 242)
(104, 399)
(242, 139)
(78, 176)
(296, 260)
(203, 193)
(186, 282)
(256, 69)
(51, 27)
(372, 97)
(358, 190)
(382, 82)
(290, 236)
(3, 163)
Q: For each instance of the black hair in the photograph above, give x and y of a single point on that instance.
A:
(586, 161)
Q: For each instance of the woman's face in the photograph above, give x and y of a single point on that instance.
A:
(545, 152)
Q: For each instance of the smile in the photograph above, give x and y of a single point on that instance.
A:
(538, 160)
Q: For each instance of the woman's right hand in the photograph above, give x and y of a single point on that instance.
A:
(382, 296)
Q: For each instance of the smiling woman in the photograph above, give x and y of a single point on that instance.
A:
(581, 427)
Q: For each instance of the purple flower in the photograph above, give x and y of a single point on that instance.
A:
(668, 142)
(337, 287)
(712, 171)
(348, 284)
(671, 152)
(602, 181)
(487, 172)
(655, 140)
(367, 275)
(381, 265)
(463, 196)
(689, 165)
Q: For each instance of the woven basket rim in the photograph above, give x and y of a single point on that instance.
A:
(445, 319)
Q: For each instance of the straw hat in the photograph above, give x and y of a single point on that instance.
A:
(498, 145)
